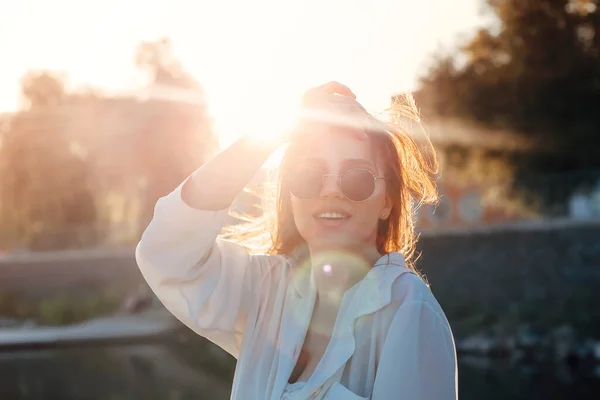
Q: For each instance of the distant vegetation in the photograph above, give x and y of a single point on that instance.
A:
(83, 169)
(79, 168)
(535, 72)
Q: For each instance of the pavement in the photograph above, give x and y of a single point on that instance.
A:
(147, 325)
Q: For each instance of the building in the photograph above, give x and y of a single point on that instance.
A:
(474, 176)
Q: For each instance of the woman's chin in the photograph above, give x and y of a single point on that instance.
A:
(334, 242)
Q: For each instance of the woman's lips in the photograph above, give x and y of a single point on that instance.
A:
(331, 223)
(331, 212)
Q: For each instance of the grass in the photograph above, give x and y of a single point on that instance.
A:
(61, 309)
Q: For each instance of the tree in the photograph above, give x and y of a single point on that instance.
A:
(158, 60)
(76, 166)
(176, 136)
(46, 200)
(42, 89)
(537, 72)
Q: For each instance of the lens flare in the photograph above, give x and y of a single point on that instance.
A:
(336, 273)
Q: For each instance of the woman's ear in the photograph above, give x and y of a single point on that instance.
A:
(387, 209)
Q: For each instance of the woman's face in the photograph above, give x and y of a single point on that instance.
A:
(330, 221)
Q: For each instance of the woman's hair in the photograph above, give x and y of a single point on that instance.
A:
(410, 167)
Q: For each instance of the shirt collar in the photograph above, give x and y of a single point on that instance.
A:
(378, 280)
(375, 290)
(370, 294)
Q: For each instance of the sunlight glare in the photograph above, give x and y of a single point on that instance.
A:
(265, 117)
(272, 126)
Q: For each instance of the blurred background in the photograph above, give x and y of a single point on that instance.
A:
(105, 107)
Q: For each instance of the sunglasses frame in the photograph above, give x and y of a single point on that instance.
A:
(339, 182)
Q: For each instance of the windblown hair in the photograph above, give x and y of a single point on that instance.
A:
(410, 164)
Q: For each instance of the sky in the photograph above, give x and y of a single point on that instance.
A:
(252, 56)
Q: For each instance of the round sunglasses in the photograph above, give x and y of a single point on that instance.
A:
(356, 184)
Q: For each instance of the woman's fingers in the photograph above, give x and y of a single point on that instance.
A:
(328, 88)
(337, 88)
(314, 96)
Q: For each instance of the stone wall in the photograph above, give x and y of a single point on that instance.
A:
(544, 274)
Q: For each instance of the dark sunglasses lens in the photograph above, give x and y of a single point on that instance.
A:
(357, 184)
(305, 183)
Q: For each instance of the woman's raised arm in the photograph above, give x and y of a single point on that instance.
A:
(207, 283)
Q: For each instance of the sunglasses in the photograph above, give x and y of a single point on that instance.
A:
(356, 184)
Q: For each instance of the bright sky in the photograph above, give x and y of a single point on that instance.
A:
(248, 54)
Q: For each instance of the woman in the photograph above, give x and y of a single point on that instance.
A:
(334, 310)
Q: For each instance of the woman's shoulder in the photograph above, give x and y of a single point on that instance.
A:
(404, 283)
(409, 288)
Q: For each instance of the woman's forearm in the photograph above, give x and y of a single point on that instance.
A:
(216, 184)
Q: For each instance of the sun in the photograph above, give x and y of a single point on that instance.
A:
(265, 117)
(270, 121)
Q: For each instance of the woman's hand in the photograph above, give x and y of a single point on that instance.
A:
(319, 92)
(332, 103)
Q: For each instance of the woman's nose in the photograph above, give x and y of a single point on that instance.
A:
(331, 187)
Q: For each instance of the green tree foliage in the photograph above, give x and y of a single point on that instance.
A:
(536, 72)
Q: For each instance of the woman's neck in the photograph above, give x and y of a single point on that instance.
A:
(337, 270)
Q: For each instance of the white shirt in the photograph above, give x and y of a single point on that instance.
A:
(391, 339)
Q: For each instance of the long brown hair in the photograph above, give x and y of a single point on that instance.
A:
(410, 167)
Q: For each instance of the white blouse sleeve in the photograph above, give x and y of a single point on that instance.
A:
(418, 360)
(207, 283)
